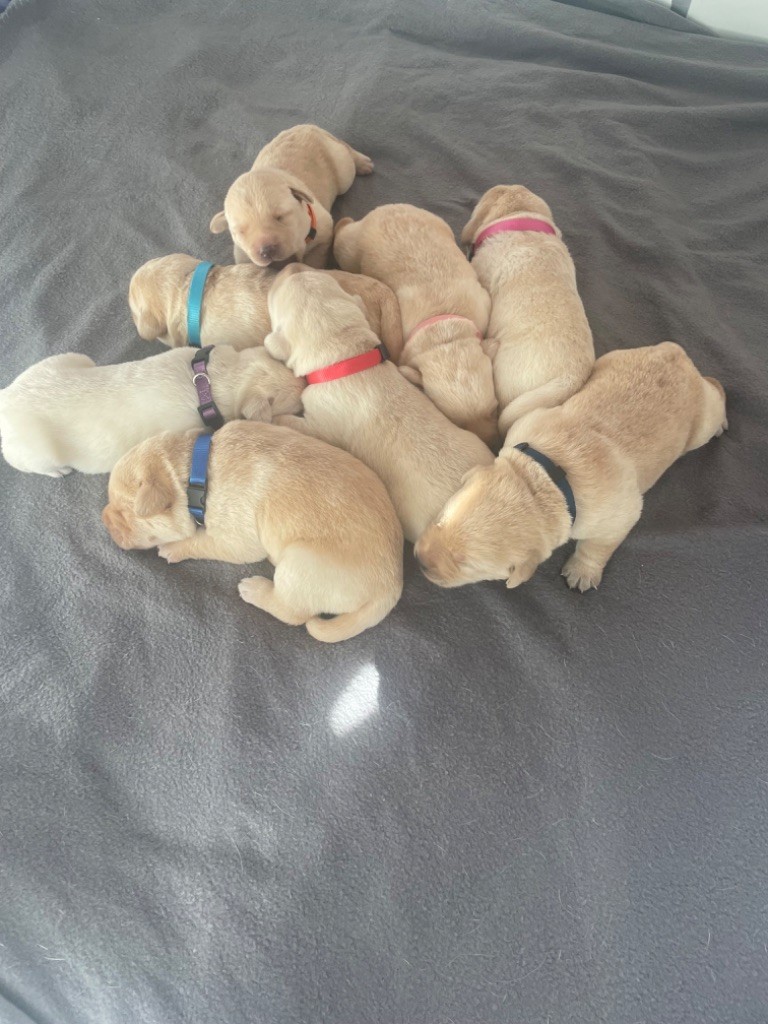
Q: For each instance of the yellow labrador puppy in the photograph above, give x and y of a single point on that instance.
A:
(444, 307)
(356, 401)
(281, 207)
(321, 517)
(66, 413)
(234, 307)
(576, 471)
(545, 351)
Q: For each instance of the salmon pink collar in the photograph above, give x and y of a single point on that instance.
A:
(437, 319)
(498, 227)
(346, 367)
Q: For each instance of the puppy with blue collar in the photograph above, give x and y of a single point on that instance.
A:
(253, 491)
(578, 471)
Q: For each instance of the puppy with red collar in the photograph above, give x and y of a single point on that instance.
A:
(545, 351)
(280, 209)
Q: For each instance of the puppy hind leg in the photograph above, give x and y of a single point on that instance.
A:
(263, 593)
(363, 163)
(713, 420)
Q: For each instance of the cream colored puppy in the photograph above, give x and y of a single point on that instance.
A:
(414, 252)
(545, 351)
(321, 518)
(234, 308)
(281, 207)
(639, 411)
(66, 413)
(374, 413)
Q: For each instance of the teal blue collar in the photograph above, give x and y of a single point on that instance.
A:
(195, 302)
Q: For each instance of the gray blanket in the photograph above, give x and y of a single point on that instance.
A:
(527, 807)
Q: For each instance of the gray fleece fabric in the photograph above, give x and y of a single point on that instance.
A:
(525, 807)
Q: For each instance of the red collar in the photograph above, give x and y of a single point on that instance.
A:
(312, 224)
(347, 367)
(510, 224)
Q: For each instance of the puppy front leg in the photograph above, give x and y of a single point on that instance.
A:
(584, 569)
(203, 545)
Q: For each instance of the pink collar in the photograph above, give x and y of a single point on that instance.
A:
(437, 319)
(511, 224)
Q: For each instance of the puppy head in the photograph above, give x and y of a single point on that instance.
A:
(152, 291)
(266, 213)
(494, 528)
(503, 201)
(268, 388)
(147, 502)
(314, 321)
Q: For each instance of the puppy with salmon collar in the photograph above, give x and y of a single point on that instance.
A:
(233, 303)
(280, 209)
(66, 413)
(545, 351)
(578, 471)
(356, 399)
(253, 491)
(444, 307)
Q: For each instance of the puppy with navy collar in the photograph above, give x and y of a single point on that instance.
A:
(544, 348)
(280, 209)
(579, 471)
(253, 491)
(66, 413)
(228, 304)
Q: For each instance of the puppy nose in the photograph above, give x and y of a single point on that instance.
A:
(267, 252)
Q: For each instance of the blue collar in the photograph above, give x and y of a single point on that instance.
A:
(555, 473)
(198, 478)
(195, 302)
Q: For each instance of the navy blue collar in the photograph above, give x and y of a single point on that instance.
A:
(555, 473)
(198, 478)
(195, 302)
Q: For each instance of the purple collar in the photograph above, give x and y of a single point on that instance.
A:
(209, 412)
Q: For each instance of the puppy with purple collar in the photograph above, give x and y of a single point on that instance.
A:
(66, 413)
(579, 471)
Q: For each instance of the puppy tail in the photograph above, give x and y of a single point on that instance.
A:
(548, 396)
(349, 624)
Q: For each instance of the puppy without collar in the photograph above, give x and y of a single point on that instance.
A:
(66, 413)
(545, 351)
(321, 518)
(375, 414)
(639, 411)
(415, 253)
(281, 208)
(234, 308)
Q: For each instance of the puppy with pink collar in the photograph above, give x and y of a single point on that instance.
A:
(545, 352)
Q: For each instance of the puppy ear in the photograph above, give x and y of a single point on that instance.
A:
(153, 497)
(277, 345)
(411, 374)
(301, 196)
(258, 408)
(472, 225)
(470, 473)
(149, 324)
(218, 223)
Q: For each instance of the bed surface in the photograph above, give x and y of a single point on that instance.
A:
(526, 807)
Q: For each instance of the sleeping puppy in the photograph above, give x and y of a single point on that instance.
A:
(639, 411)
(66, 413)
(321, 518)
(545, 351)
(281, 207)
(444, 308)
(374, 413)
(234, 308)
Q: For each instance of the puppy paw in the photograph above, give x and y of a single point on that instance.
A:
(254, 589)
(61, 471)
(363, 164)
(172, 553)
(580, 575)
